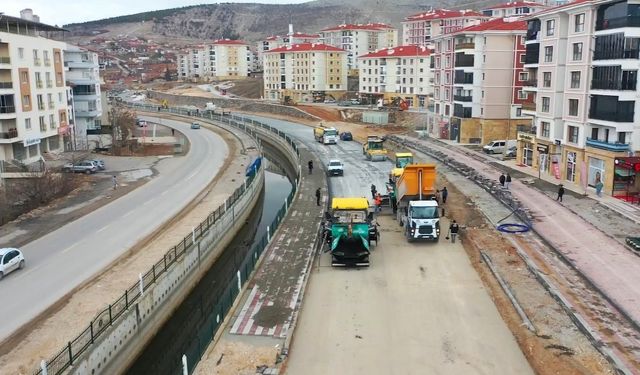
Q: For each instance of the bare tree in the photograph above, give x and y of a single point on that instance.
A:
(123, 122)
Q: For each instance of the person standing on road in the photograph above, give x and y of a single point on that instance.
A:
(318, 195)
(378, 202)
(502, 179)
(310, 166)
(115, 182)
(453, 230)
(373, 191)
(599, 186)
(507, 181)
(560, 193)
(445, 194)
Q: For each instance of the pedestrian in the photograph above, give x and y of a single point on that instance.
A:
(507, 181)
(318, 195)
(453, 231)
(173, 132)
(373, 191)
(445, 194)
(378, 202)
(310, 166)
(502, 179)
(599, 186)
(560, 193)
(115, 182)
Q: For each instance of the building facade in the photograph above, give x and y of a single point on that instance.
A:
(398, 72)
(360, 39)
(33, 101)
(583, 58)
(223, 59)
(82, 77)
(305, 72)
(419, 29)
(276, 41)
(478, 83)
(516, 8)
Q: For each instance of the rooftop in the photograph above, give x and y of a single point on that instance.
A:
(16, 25)
(498, 24)
(229, 42)
(305, 47)
(442, 14)
(399, 51)
(563, 6)
(360, 26)
(518, 4)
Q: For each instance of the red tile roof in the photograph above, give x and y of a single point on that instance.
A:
(399, 51)
(306, 47)
(516, 4)
(498, 24)
(368, 26)
(229, 42)
(443, 13)
(551, 10)
(303, 35)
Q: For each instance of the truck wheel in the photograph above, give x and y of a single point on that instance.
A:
(88, 171)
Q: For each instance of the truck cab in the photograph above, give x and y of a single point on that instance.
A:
(403, 159)
(422, 220)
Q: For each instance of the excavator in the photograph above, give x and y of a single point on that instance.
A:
(394, 104)
(287, 98)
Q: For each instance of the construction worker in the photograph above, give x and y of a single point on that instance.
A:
(378, 202)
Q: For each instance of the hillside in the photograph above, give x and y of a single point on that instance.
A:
(253, 22)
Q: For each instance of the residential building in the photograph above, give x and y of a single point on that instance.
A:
(33, 107)
(401, 71)
(478, 82)
(419, 29)
(515, 8)
(305, 72)
(223, 59)
(585, 56)
(360, 39)
(276, 41)
(81, 70)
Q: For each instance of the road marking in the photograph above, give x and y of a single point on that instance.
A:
(103, 228)
(69, 248)
(128, 214)
(28, 271)
(192, 175)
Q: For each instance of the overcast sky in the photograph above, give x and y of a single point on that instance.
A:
(61, 12)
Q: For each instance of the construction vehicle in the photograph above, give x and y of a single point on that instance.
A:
(394, 104)
(325, 135)
(374, 149)
(402, 160)
(349, 230)
(165, 104)
(417, 207)
(287, 98)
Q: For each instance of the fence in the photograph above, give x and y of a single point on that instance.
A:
(68, 355)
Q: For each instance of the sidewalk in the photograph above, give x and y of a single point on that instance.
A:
(263, 321)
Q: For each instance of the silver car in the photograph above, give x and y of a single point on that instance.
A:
(11, 259)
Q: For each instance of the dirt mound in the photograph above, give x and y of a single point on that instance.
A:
(327, 114)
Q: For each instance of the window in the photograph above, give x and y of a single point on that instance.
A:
(518, 112)
(551, 27)
(575, 80)
(27, 123)
(622, 137)
(21, 52)
(546, 129)
(573, 107)
(548, 54)
(522, 95)
(523, 76)
(577, 51)
(43, 125)
(546, 102)
(40, 101)
(26, 101)
(24, 77)
(52, 122)
(579, 22)
(573, 134)
(546, 79)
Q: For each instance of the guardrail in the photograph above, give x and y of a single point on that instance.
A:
(115, 311)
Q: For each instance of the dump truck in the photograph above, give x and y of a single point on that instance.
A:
(349, 231)
(417, 207)
(374, 149)
(325, 135)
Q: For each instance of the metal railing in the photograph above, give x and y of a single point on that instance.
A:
(68, 355)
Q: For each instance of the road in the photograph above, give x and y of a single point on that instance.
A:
(65, 258)
(419, 308)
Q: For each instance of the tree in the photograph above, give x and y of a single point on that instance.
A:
(123, 122)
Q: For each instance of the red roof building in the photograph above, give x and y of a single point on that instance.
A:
(360, 39)
(419, 29)
(306, 47)
(515, 8)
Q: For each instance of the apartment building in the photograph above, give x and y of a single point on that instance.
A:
(419, 29)
(401, 71)
(276, 41)
(515, 8)
(305, 72)
(360, 39)
(82, 76)
(478, 83)
(583, 61)
(33, 103)
(223, 59)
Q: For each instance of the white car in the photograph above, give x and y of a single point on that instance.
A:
(11, 259)
(335, 168)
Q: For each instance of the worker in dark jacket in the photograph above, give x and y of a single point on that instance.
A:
(318, 195)
(453, 231)
(310, 166)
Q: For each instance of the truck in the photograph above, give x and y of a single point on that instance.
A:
(325, 135)
(417, 208)
(349, 230)
(374, 149)
(402, 160)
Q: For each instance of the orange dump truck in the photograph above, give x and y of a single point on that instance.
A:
(418, 212)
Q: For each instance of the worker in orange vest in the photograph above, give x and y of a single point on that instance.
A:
(378, 202)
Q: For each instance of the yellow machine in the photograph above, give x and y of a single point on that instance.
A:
(287, 98)
(165, 104)
(374, 149)
(403, 159)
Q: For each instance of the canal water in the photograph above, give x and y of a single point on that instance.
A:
(163, 353)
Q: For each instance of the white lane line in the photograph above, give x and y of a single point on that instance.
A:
(69, 248)
(128, 214)
(103, 228)
(192, 175)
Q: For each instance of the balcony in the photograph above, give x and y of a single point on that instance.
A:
(462, 78)
(463, 60)
(615, 46)
(462, 112)
(37, 61)
(49, 84)
(87, 113)
(532, 56)
(604, 145)
(462, 98)
(606, 84)
(47, 62)
(613, 116)
(9, 136)
(52, 105)
(5, 109)
(608, 108)
(6, 85)
(618, 22)
(526, 106)
(469, 45)
(5, 60)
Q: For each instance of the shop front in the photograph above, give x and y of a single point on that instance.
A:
(525, 148)
(625, 184)
(600, 159)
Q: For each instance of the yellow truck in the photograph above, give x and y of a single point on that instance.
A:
(325, 135)
(374, 149)
(417, 207)
(402, 160)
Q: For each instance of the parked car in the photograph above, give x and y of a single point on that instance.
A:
(141, 123)
(346, 136)
(511, 152)
(87, 167)
(355, 101)
(335, 168)
(99, 163)
(329, 101)
(11, 259)
(195, 125)
(498, 147)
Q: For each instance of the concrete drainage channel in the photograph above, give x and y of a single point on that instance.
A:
(516, 208)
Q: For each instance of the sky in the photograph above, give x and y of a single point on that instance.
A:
(61, 12)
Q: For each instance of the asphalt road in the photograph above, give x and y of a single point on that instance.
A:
(63, 259)
(420, 308)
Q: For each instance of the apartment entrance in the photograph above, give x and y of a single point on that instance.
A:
(596, 171)
(527, 154)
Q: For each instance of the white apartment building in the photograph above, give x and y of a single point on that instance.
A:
(276, 41)
(360, 39)
(33, 102)
(82, 74)
(220, 60)
(478, 83)
(515, 8)
(401, 71)
(419, 29)
(305, 72)
(585, 58)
